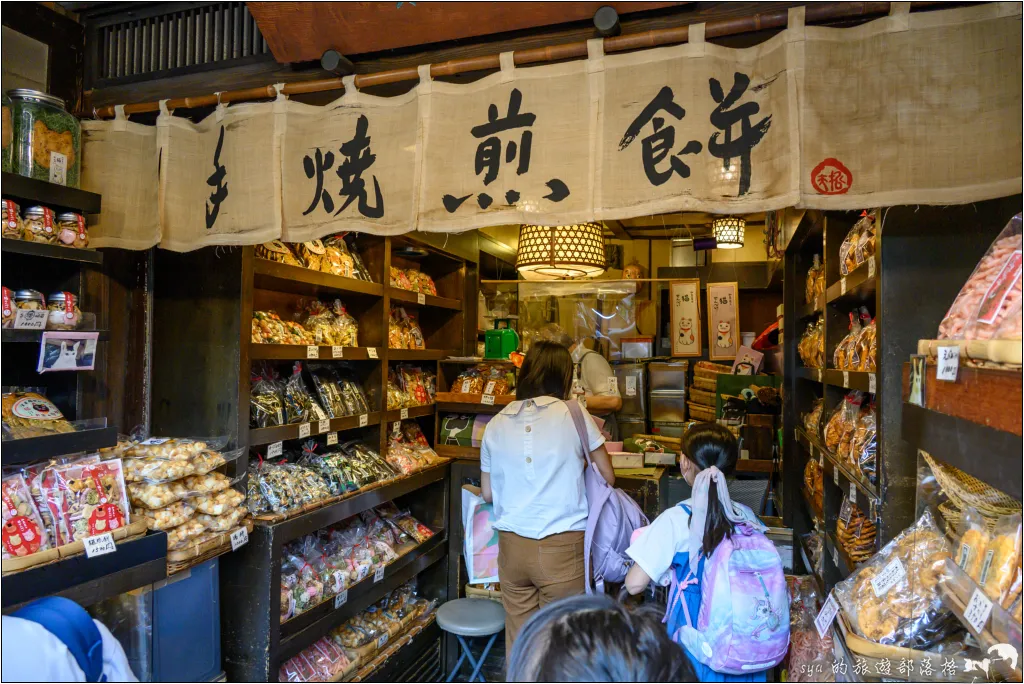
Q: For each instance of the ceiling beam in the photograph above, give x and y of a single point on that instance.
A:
(617, 230)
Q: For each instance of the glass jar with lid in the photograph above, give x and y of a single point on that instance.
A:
(11, 219)
(71, 230)
(38, 225)
(7, 133)
(47, 139)
(64, 311)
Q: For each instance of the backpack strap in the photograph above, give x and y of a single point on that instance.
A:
(68, 621)
(606, 490)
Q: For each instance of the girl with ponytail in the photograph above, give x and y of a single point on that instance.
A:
(685, 535)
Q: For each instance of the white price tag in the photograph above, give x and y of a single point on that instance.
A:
(378, 574)
(819, 375)
(489, 388)
(826, 616)
(853, 492)
(371, 352)
(341, 599)
(846, 378)
(835, 475)
(312, 351)
(337, 351)
(58, 168)
(239, 538)
(30, 319)
(613, 384)
(421, 298)
(821, 459)
(466, 385)
(835, 557)
(845, 511)
(891, 575)
(332, 438)
(978, 609)
(403, 414)
(275, 449)
(949, 363)
(872, 386)
(304, 430)
(383, 638)
(99, 545)
(154, 441)
(630, 385)
(487, 400)
(871, 267)
(842, 286)
(364, 420)
(323, 426)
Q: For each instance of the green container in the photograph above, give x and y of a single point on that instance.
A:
(47, 139)
(498, 344)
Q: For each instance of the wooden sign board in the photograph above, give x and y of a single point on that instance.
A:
(685, 319)
(723, 321)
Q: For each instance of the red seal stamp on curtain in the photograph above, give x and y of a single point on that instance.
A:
(831, 177)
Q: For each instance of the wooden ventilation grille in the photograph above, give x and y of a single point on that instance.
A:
(217, 32)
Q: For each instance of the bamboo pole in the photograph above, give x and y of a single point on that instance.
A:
(817, 12)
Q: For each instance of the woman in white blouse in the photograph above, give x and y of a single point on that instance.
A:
(532, 465)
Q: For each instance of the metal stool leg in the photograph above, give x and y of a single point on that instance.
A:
(458, 665)
(483, 656)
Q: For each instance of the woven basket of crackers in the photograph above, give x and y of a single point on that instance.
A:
(892, 599)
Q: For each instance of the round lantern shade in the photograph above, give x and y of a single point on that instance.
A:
(728, 232)
(575, 251)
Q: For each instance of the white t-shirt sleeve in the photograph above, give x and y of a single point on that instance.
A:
(658, 544)
(594, 436)
(485, 455)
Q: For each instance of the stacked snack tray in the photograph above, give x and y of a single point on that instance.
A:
(173, 485)
(319, 566)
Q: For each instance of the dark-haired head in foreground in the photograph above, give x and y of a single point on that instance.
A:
(596, 639)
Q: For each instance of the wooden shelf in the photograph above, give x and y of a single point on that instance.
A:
(846, 564)
(754, 465)
(56, 197)
(460, 407)
(811, 506)
(812, 374)
(805, 554)
(411, 412)
(282, 433)
(865, 492)
(46, 251)
(18, 452)
(300, 352)
(990, 455)
(856, 288)
(36, 336)
(305, 628)
(810, 310)
(133, 564)
(458, 452)
(408, 297)
(418, 354)
(393, 663)
(305, 523)
(272, 275)
(853, 380)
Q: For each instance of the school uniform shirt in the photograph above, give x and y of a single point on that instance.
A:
(669, 534)
(535, 458)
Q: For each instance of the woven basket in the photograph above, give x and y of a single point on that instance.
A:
(705, 369)
(706, 384)
(704, 397)
(699, 412)
(480, 592)
(968, 491)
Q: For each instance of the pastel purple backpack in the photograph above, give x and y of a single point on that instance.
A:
(743, 623)
(611, 521)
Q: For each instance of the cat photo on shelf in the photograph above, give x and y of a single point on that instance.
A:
(67, 351)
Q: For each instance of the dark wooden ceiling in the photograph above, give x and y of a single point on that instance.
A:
(302, 31)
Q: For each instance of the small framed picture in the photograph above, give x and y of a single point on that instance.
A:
(723, 321)
(67, 351)
(918, 376)
(684, 298)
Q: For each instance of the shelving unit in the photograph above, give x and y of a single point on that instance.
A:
(908, 299)
(79, 395)
(234, 284)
